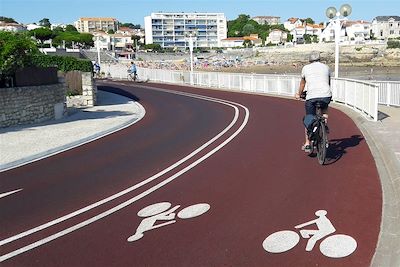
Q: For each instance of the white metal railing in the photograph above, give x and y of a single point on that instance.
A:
(359, 95)
(389, 92)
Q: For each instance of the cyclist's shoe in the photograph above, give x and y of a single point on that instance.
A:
(306, 148)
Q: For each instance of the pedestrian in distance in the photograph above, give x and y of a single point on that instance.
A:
(317, 77)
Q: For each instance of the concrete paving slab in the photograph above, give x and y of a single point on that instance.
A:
(20, 145)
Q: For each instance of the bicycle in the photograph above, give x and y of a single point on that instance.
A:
(131, 77)
(318, 135)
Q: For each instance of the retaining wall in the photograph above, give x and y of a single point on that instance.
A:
(32, 104)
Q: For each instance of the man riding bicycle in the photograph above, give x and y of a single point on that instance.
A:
(132, 70)
(317, 76)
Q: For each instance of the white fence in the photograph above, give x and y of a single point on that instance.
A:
(389, 93)
(359, 95)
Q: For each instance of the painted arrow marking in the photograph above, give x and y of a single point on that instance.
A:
(9, 193)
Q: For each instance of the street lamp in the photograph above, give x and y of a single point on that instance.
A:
(336, 20)
(97, 41)
(190, 38)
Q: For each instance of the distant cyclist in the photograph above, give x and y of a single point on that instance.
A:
(133, 70)
(317, 76)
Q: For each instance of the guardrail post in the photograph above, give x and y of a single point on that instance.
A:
(252, 83)
(279, 85)
(389, 93)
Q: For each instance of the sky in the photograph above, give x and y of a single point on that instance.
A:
(134, 11)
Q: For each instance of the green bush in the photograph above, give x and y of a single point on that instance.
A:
(16, 51)
(393, 44)
(63, 63)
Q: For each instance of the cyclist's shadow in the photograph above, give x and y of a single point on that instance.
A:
(337, 147)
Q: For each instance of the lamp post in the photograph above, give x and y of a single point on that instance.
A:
(336, 20)
(98, 49)
(190, 39)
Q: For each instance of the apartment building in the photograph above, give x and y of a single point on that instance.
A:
(171, 30)
(384, 27)
(276, 37)
(91, 25)
(270, 20)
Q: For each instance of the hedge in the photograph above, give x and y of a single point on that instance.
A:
(63, 63)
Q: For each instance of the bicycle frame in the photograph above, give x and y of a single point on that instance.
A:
(320, 143)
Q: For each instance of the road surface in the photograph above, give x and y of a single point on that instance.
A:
(206, 178)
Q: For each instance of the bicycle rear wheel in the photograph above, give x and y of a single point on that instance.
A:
(322, 143)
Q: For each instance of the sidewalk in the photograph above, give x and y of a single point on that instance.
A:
(20, 145)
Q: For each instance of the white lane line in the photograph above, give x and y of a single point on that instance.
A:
(134, 187)
(128, 202)
(9, 193)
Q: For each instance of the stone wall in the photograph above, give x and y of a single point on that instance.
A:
(89, 93)
(32, 104)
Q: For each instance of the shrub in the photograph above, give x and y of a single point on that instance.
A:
(16, 51)
(393, 44)
(63, 63)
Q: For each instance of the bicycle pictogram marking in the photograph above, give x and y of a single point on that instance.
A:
(333, 246)
(162, 212)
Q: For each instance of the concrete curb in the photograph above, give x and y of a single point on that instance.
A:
(48, 153)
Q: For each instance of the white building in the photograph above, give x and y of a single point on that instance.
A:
(91, 25)
(276, 37)
(172, 29)
(358, 31)
(384, 27)
(56, 25)
(12, 27)
(240, 41)
(270, 20)
(328, 34)
(310, 29)
(292, 23)
(32, 26)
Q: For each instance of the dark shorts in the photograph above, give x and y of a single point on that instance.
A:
(310, 104)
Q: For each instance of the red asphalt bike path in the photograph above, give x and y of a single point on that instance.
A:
(257, 184)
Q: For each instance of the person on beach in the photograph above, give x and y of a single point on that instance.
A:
(317, 76)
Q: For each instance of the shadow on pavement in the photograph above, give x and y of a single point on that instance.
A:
(337, 148)
(118, 91)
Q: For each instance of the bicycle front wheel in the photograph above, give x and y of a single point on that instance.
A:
(322, 143)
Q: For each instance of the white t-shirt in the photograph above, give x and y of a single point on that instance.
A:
(317, 76)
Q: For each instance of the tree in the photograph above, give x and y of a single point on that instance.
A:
(135, 39)
(7, 20)
(235, 27)
(110, 32)
(154, 47)
(248, 29)
(86, 39)
(289, 37)
(130, 25)
(42, 34)
(70, 28)
(309, 21)
(16, 51)
(307, 38)
(45, 22)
